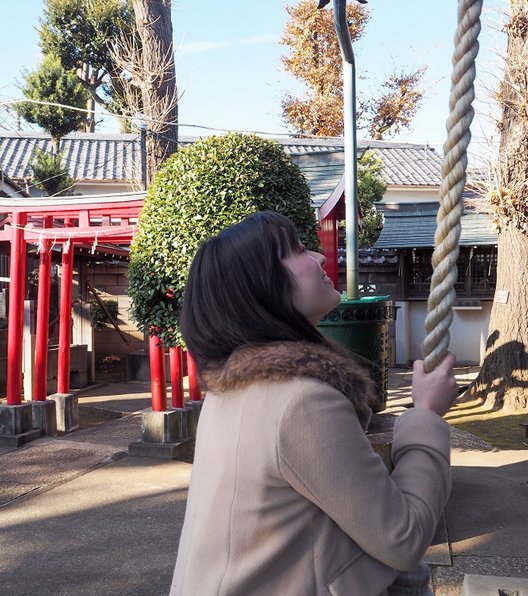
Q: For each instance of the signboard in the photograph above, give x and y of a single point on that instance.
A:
(501, 296)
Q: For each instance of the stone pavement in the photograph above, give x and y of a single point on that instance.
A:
(78, 516)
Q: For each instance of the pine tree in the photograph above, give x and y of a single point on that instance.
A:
(51, 83)
(50, 173)
(81, 34)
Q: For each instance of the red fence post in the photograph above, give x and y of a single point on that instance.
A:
(63, 365)
(15, 331)
(195, 393)
(328, 235)
(40, 379)
(176, 372)
(158, 383)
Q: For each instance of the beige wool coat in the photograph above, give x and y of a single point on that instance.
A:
(287, 496)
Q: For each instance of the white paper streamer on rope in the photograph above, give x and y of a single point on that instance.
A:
(40, 244)
(67, 246)
(94, 245)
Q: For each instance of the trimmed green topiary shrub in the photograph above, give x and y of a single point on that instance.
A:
(198, 192)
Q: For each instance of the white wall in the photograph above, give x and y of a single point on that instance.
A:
(409, 194)
(468, 332)
(101, 188)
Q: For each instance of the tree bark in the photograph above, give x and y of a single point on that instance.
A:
(503, 379)
(153, 21)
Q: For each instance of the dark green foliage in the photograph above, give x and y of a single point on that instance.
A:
(99, 318)
(52, 83)
(50, 174)
(371, 188)
(199, 191)
(81, 32)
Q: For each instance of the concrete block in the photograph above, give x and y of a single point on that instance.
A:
(15, 419)
(16, 425)
(166, 427)
(491, 585)
(44, 416)
(138, 366)
(166, 435)
(196, 407)
(78, 379)
(182, 450)
(67, 411)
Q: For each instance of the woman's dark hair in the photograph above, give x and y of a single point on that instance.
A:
(239, 291)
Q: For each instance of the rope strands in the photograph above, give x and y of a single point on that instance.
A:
(442, 295)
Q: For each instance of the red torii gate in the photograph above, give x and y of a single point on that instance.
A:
(72, 221)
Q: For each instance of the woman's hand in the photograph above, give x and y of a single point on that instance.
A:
(436, 390)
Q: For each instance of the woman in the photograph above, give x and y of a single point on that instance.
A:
(287, 496)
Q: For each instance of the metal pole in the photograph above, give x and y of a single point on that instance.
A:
(143, 147)
(351, 201)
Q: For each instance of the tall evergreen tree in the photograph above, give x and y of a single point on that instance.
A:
(80, 33)
(51, 83)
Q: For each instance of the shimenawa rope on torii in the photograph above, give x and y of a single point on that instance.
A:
(442, 295)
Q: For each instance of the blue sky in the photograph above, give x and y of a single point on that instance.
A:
(229, 69)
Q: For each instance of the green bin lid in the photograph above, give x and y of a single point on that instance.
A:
(366, 299)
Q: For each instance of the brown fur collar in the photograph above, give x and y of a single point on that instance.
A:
(282, 360)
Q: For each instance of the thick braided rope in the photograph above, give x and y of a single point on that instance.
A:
(442, 295)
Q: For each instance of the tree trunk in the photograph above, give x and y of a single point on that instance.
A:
(503, 379)
(90, 120)
(153, 20)
(84, 74)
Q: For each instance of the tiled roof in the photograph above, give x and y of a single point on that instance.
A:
(117, 157)
(93, 157)
(414, 227)
(409, 164)
(322, 181)
(404, 164)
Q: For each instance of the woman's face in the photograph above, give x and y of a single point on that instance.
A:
(314, 294)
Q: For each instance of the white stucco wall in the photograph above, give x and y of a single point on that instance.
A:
(468, 331)
(101, 188)
(410, 194)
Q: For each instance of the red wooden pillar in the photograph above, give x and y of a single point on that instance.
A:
(63, 367)
(43, 307)
(176, 372)
(15, 330)
(158, 383)
(195, 393)
(328, 235)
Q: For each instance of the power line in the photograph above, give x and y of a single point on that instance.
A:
(163, 122)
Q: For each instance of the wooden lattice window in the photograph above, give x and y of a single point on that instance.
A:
(462, 287)
(483, 270)
(420, 271)
(477, 271)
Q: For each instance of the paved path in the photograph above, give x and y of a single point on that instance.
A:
(78, 516)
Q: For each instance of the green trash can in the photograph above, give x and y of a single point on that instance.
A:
(362, 326)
